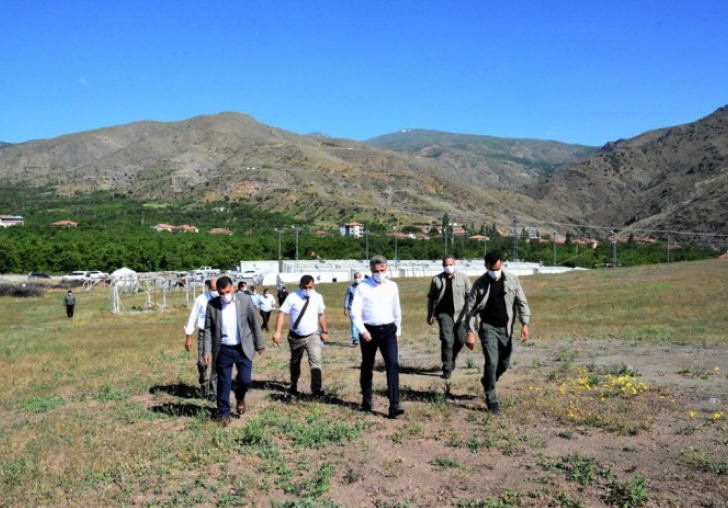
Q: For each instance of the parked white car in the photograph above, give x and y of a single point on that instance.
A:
(77, 276)
(96, 275)
(82, 276)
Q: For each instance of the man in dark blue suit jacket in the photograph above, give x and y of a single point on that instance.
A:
(233, 332)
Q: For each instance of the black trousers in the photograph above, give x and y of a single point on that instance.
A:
(384, 338)
(69, 310)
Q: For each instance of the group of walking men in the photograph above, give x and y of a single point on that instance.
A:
(229, 333)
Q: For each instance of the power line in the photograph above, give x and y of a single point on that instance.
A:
(617, 228)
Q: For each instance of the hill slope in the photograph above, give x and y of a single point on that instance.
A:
(207, 157)
(496, 163)
(674, 178)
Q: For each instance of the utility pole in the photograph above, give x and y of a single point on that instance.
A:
(554, 248)
(668, 247)
(280, 233)
(614, 248)
(396, 258)
(366, 234)
(514, 234)
(297, 228)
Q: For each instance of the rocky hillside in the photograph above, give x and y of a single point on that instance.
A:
(315, 177)
(674, 178)
(496, 163)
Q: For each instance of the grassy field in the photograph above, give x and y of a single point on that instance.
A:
(620, 399)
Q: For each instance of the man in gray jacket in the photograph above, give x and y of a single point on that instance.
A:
(233, 337)
(495, 299)
(446, 303)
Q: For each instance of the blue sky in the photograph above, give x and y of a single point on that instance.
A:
(573, 71)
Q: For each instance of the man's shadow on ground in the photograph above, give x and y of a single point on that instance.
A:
(279, 391)
(187, 409)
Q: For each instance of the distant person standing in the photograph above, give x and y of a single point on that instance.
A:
(233, 337)
(207, 378)
(348, 299)
(243, 287)
(254, 296)
(282, 294)
(305, 309)
(495, 298)
(70, 303)
(267, 304)
(446, 303)
(378, 317)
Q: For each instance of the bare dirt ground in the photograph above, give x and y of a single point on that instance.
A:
(447, 451)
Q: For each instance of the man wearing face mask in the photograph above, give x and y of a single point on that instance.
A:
(495, 298)
(207, 378)
(378, 317)
(233, 337)
(305, 309)
(446, 303)
(348, 299)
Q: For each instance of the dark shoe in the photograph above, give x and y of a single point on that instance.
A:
(395, 411)
(493, 407)
(224, 421)
(367, 406)
(293, 391)
(317, 394)
(354, 343)
(241, 407)
(446, 374)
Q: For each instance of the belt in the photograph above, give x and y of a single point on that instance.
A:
(378, 327)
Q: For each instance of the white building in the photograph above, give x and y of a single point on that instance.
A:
(355, 229)
(11, 220)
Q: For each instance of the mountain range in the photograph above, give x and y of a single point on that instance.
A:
(667, 179)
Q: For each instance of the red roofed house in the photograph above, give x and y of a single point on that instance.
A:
(65, 224)
(355, 229)
(185, 229)
(163, 227)
(219, 231)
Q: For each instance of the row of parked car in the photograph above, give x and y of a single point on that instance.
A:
(76, 276)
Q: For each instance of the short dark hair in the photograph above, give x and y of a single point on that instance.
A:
(490, 259)
(241, 284)
(306, 280)
(377, 260)
(224, 282)
(448, 256)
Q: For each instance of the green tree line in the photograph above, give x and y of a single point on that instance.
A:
(115, 231)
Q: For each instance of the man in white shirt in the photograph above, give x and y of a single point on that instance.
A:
(267, 304)
(233, 337)
(207, 378)
(378, 317)
(305, 309)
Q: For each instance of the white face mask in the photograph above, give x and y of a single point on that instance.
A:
(227, 298)
(494, 274)
(449, 269)
(213, 293)
(379, 277)
(357, 281)
(308, 292)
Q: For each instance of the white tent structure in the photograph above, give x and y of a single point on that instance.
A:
(125, 278)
